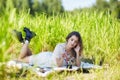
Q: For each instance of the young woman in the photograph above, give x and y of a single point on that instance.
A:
(63, 54)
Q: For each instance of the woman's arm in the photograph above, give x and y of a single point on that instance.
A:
(57, 55)
(77, 49)
(78, 60)
(59, 61)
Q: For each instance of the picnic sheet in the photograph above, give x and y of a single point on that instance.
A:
(47, 70)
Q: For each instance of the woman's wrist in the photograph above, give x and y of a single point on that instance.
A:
(77, 54)
(78, 60)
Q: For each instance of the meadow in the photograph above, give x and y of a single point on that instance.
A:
(100, 34)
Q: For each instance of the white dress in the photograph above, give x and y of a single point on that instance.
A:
(48, 59)
(43, 59)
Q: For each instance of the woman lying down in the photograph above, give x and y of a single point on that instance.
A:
(65, 54)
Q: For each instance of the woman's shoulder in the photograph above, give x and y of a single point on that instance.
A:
(61, 44)
(60, 48)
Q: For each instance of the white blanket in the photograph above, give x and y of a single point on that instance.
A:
(47, 70)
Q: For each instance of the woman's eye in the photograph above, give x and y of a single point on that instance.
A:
(71, 39)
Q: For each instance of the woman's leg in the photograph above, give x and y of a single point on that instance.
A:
(25, 53)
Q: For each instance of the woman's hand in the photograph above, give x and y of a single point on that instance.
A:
(77, 49)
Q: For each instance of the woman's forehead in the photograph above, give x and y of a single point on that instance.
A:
(74, 37)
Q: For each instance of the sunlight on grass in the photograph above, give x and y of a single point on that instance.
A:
(100, 34)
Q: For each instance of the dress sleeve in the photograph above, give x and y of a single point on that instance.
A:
(57, 51)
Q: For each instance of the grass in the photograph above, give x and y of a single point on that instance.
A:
(100, 34)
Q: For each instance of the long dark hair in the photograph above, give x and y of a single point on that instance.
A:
(77, 34)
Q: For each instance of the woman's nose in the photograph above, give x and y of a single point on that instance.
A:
(72, 42)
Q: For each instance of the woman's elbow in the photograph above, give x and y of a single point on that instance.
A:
(59, 65)
(78, 65)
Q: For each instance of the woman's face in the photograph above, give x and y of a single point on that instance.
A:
(72, 41)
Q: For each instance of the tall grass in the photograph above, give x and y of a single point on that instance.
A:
(100, 34)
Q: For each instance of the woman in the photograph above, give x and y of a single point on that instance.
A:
(63, 54)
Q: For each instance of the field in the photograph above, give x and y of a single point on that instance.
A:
(100, 34)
